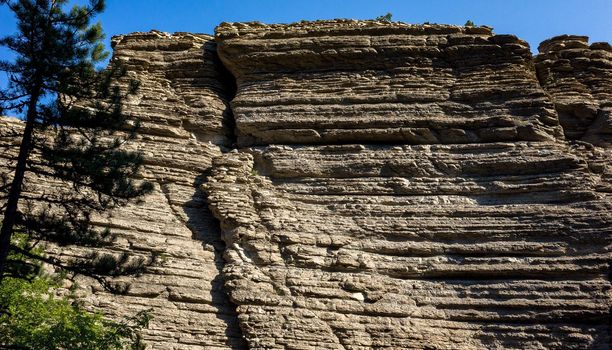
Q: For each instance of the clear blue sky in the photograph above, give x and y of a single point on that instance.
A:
(531, 20)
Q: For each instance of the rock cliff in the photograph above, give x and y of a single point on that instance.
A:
(357, 184)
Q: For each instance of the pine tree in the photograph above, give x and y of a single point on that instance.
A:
(74, 133)
(385, 18)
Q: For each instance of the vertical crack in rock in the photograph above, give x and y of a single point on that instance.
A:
(182, 106)
(407, 186)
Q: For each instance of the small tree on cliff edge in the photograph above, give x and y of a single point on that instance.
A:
(74, 130)
(385, 18)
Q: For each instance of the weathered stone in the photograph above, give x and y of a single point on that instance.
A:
(182, 106)
(353, 82)
(375, 185)
(579, 79)
(406, 187)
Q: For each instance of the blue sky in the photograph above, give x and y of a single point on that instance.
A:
(531, 20)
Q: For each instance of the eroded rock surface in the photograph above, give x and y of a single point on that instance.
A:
(406, 187)
(377, 185)
(579, 78)
(182, 107)
(352, 82)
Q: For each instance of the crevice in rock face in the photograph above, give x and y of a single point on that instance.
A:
(183, 107)
(230, 88)
(219, 296)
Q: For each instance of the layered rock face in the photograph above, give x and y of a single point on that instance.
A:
(182, 106)
(579, 78)
(358, 82)
(358, 184)
(406, 186)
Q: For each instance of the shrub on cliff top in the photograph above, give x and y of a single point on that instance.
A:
(385, 18)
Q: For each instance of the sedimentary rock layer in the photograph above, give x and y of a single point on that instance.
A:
(182, 107)
(394, 186)
(341, 82)
(579, 78)
(406, 186)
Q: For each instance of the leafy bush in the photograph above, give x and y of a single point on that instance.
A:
(32, 317)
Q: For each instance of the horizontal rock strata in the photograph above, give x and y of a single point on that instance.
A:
(406, 186)
(579, 78)
(361, 82)
(377, 185)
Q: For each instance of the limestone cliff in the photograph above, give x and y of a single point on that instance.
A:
(409, 187)
(372, 185)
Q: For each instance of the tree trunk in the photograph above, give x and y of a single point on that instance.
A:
(15, 191)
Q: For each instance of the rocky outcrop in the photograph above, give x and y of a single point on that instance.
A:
(579, 78)
(182, 107)
(406, 186)
(350, 82)
(361, 184)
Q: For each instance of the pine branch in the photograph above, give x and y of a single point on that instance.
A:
(95, 267)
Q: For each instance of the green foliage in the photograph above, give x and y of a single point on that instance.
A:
(19, 264)
(33, 319)
(469, 23)
(385, 18)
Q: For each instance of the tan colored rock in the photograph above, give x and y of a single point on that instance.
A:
(406, 186)
(579, 79)
(354, 82)
(182, 105)
(394, 186)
